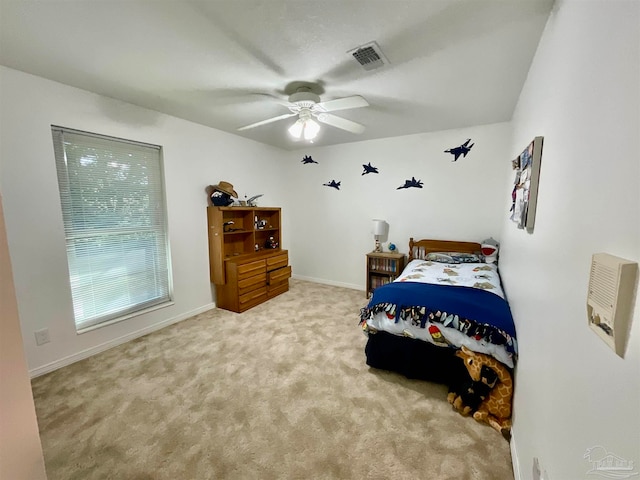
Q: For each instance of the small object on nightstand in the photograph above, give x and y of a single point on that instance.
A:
(380, 228)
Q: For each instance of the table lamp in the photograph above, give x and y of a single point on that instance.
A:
(379, 230)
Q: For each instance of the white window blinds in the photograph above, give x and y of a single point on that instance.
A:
(113, 205)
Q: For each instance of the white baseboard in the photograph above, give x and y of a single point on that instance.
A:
(514, 456)
(76, 357)
(328, 282)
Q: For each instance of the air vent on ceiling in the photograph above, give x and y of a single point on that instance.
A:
(369, 56)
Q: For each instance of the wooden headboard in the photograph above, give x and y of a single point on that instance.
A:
(419, 248)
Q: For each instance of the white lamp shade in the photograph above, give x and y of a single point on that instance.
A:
(379, 227)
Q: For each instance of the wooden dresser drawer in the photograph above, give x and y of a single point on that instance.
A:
(277, 261)
(250, 269)
(246, 284)
(252, 298)
(278, 276)
(273, 290)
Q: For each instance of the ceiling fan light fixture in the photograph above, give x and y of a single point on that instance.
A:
(312, 112)
(295, 130)
(304, 127)
(311, 129)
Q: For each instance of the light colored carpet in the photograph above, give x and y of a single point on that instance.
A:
(281, 391)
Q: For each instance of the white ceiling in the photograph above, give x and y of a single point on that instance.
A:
(452, 63)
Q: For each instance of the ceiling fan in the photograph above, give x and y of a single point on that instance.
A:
(305, 104)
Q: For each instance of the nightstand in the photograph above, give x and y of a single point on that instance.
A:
(383, 268)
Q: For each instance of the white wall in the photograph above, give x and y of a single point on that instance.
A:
(20, 448)
(194, 157)
(327, 231)
(331, 229)
(583, 95)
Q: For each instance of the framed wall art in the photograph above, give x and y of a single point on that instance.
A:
(524, 196)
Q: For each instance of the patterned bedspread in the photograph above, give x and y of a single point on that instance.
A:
(449, 305)
(477, 275)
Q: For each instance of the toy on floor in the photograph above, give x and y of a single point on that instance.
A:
(491, 389)
(467, 397)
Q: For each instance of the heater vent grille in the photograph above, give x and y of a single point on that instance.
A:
(611, 290)
(369, 56)
(603, 285)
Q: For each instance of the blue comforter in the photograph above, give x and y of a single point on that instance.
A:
(483, 307)
(475, 313)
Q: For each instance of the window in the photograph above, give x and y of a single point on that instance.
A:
(113, 206)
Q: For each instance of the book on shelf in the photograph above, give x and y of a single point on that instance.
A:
(379, 281)
(384, 264)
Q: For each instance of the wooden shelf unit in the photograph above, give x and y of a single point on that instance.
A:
(383, 268)
(245, 271)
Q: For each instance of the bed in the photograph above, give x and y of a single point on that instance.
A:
(417, 323)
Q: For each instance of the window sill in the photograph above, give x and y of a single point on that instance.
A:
(124, 317)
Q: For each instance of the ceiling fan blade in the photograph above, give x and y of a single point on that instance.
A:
(278, 100)
(344, 103)
(341, 123)
(268, 120)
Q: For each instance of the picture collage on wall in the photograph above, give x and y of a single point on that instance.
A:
(461, 150)
(524, 196)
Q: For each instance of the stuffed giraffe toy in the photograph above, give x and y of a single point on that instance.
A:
(495, 406)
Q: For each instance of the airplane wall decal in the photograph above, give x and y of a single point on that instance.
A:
(369, 169)
(461, 150)
(333, 184)
(411, 183)
(308, 159)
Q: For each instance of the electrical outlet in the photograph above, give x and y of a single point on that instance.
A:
(42, 336)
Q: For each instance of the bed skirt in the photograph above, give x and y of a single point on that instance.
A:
(415, 359)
